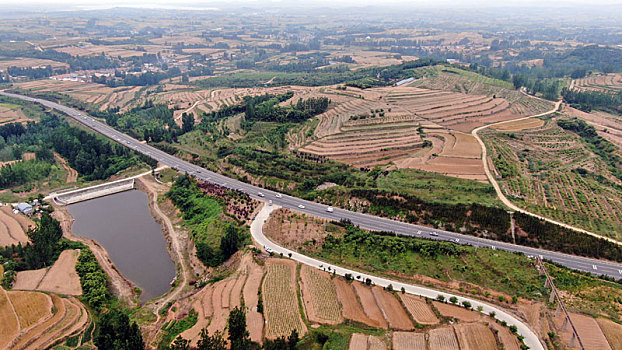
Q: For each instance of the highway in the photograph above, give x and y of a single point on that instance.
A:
(599, 267)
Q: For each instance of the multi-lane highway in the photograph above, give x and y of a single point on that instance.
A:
(370, 222)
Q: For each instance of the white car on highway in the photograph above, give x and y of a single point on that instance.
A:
(278, 195)
(330, 209)
(260, 194)
(432, 233)
(301, 206)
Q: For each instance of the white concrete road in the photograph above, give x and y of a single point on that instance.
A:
(596, 266)
(531, 339)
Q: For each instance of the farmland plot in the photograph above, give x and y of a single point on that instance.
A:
(457, 312)
(507, 338)
(475, 336)
(612, 331)
(9, 324)
(392, 310)
(419, 309)
(370, 305)
(352, 308)
(319, 296)
(30, 307)
(442, 339)
(537, 168)
(280, 299)
(11, 232)
(408, 341)
(589, 331)
(254, 319)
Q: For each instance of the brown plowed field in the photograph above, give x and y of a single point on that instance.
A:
(201, 303)
(612, 331)
(254, 320)
(358, 341)
(530, 123)
(9, 325)
(589, 331)
(11, 232)
(30, 279)
(370, 306)
(374, 343)
(236, 291)
(62, 277)
(41, 329)
(70, 317)
(392, 310)
(221, 312)
(30, 307)
(509, 340)
(319, 296)
(408, 341)
(280, 299)
(462, 314)
(442, 339)
(23, 221)
(351, 307)
(419, 309)
(475, 336)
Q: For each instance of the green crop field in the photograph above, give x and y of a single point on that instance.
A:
(552, 172)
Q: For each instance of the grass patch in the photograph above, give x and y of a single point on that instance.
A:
(172, 329)
(438, 188)
(502, 271)
(587, 293)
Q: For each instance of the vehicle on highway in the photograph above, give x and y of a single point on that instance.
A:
(278, 195)
(330, 209)
(260, 194)
(269, 250)
(432, 233)
(301, 206)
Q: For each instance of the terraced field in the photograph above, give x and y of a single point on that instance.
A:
(101, 95)
(411, 127)
(13, 227)
(33, 320)
(319, 296)
(537, 170)
(280, 299)
(607, 83)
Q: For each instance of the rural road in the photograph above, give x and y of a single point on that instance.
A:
(596, 266)
(531, 339)
(502, 196)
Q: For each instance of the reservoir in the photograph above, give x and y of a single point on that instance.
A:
(123, 225)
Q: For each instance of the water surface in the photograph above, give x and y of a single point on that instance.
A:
(123, 225)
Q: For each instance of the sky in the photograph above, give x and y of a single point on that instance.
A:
(206, 4)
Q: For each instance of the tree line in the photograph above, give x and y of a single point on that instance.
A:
(92, 156)
(588, 100)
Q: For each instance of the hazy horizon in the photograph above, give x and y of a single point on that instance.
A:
(56, 5)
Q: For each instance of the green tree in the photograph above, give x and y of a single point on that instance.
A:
(238, 335)
(115, 331)
(187, 120)
(211, 342)
(45, 242)
(180, 344)
(230, 241)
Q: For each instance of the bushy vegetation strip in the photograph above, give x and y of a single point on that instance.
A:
(217, 236)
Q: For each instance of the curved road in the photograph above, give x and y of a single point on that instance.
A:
(502, 196)
(531, 339)
(600, 267)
